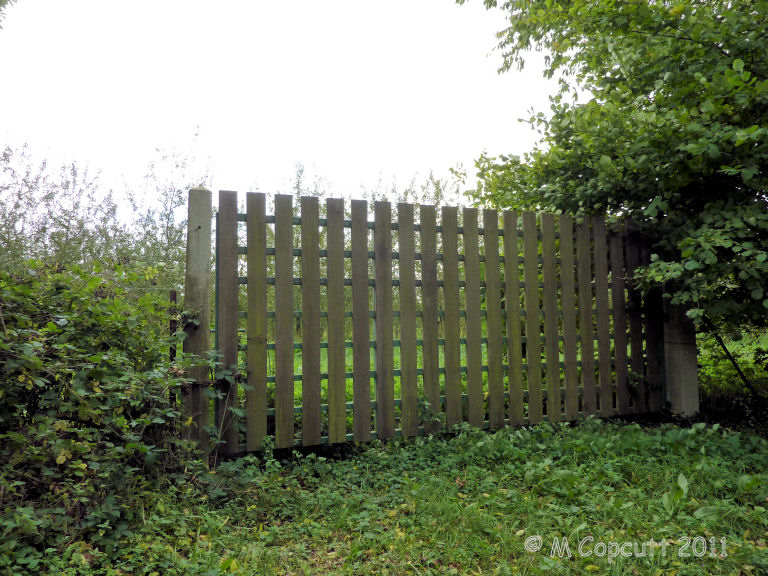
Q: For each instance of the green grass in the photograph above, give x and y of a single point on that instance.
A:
(463, 504)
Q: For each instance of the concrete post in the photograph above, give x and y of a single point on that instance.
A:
(196, 303)
(680, 363)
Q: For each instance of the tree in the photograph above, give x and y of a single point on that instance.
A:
(674, 138)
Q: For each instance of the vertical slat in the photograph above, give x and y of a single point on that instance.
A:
(337, 383)
(637, 361)
(532, 323)
(256, 395)
(361, 350)
(603, 317)
(619, 323)
(430, 353)
(227, 316)
(408, 374)
(493, 320)
(551, 313)
(452, 350)
(197, 281)
(586, 324)
(283, 321)
(568, 302)
(385, 384)
(311, 423)
(512, 308)
(475, 409)
(654, 318)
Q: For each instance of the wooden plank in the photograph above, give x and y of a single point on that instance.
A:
(619, 323)
(256, 395)
(586, 324)
(197, 287)
(493, 320)
(532, 322)
(284, 320)
(600, 240)
(408, 375)
(385, 383)
(635, 309)
(361, 331)
(337, 380)
(512, 308)
(430, 349)
(551, 317)
(311, 410)
(654, 331)
(451, 350)
(227, 318)
(475, 408)
(568, 303)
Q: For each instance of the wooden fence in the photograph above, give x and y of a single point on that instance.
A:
(335, 326)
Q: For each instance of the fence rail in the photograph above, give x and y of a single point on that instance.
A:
(332, 326)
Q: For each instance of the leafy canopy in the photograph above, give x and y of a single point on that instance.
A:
(675, 136)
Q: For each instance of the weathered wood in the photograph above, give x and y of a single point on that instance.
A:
(493, 320)
(680, 362)
(532, 322)
(586, 323)
(385, 384)
(284, 321)
(337, 381)
(619, 323)
(256, 394)
(512, 308)
(408, 373)
(227, 318)
(430, 350)
(197, 303)
(311, 398)
(634, 306)
(361, 329)
(654, 320)
(475, 393)
(451, 350)
(600, 240)
(551, 314)
(568, 303)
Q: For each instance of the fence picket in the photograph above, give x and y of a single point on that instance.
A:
(512, 308)
(475, 409)
(227, 318)
(568, 304)
(409, 394)
(256, 395)
(385, 384)
(637, 361)
(337, 380)
(451, 350)
(430, 350)
(495, 350)
(551, 337)
(600, 240)
(284, 428)
(619, 323)
(361, 328)
(532, 322)
(311, 424)
(586, 319)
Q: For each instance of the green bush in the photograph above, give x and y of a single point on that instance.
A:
(88, 417)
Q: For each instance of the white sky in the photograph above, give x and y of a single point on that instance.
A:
(356, 90)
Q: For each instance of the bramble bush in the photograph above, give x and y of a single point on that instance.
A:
(88, 413)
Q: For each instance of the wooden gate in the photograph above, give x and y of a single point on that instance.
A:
(338, 323)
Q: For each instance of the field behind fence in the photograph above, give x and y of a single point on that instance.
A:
(336, 323)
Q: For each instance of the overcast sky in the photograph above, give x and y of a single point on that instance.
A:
(356, 90)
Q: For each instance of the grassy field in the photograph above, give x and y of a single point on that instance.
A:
(469, 503)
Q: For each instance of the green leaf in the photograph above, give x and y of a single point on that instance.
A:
(738, 64)
(682, 481)
(705, 511)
